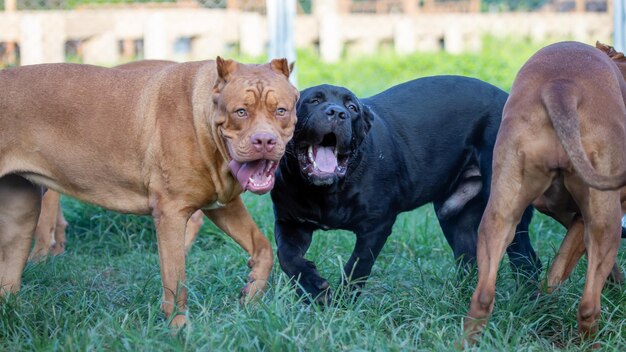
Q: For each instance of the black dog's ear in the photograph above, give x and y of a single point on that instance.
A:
(363, 123)
(368, 116)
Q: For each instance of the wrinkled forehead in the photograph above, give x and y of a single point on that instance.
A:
(270, 89)
(328, 93)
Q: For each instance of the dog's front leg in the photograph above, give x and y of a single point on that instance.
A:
(292, 242)
(170, 227)
(366, 249)
(237, 223)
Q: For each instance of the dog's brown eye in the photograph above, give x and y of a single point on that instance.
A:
(241, 112)
(281, 111)
(352, 107)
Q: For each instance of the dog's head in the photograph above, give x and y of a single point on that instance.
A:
(256, 117)
(616, 56)
(332, 122)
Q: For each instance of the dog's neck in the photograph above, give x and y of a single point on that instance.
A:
(211, 141)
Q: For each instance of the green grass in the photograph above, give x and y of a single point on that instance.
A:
(103, 294)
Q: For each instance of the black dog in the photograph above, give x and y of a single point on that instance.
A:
(355, 164)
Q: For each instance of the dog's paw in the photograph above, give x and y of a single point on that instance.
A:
(315, 289)
(254, 289)
(177, 323)
(57, 248)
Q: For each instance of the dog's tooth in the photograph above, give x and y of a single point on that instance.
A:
(310, 153)
(314, 165)
(335, 151)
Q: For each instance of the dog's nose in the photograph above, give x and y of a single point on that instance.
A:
(263, 141)
(333, 111)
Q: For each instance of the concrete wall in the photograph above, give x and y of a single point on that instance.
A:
(42, 35)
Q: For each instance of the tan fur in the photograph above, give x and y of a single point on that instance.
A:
(145, 141)
(561, 139)
(50, 231)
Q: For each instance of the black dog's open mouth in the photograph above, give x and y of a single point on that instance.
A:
(323, 160)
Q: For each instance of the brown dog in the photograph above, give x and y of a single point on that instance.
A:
(50, 230)
(560, 143)
(164, 142)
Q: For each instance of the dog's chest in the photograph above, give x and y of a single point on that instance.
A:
(329, 215)
(314, 222)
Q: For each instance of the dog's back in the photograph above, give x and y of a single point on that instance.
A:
(574, 87)
(86, 108)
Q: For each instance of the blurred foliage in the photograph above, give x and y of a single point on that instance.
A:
(497, 63)
(511, 5)
(304, 6)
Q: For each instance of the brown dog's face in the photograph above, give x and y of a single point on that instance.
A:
(256, 116)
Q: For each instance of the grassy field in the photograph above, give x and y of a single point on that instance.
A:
(104, 293)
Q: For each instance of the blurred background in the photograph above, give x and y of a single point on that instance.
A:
(103, 293)
(108, 32)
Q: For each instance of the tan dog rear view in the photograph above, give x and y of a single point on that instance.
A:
(165, 140)
(561, 143)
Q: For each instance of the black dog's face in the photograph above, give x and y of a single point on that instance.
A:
(331, 124)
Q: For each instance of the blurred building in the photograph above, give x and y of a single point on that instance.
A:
(111, 31)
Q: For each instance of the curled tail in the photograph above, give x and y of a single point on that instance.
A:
(560, 98)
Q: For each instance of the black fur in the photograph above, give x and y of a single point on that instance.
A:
(413, 144)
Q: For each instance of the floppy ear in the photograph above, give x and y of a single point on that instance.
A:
(281, 66)
(363, 124)
(368, 117)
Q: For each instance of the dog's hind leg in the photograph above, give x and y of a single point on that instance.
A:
(461, 233)
(521, 254)
(59, 233)
(46, 225)
(518, 178)
(20, 201)
(461, 230)
(572, 248)
(601, 215)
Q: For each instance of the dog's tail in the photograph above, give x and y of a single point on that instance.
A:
(561, 97)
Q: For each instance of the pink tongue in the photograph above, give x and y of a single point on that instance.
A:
(243, 171)
(325, 159)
